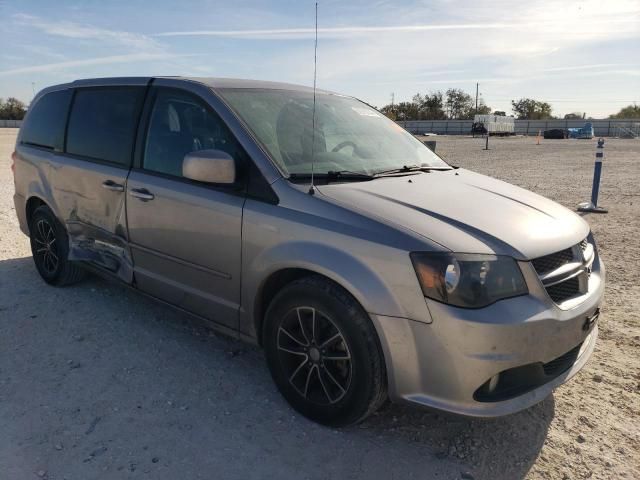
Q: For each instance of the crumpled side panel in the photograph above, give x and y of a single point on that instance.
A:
(92, 244)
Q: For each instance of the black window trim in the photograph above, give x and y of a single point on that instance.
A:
(137, 116)
(48, 148)
(239, 187)
(39, 146)
(66, 122)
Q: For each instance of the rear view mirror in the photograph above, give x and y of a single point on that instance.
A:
(211, 166)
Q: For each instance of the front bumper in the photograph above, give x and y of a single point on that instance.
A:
(444, 363)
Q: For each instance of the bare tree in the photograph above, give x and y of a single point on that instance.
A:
(530, 109)
(630, 111)
(455, 104)
(12, 109)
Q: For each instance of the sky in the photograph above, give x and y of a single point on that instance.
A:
(577, 55)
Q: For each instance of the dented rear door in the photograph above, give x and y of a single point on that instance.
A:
(90, 180)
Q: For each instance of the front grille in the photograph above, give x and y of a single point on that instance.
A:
(564, 290)
(564, 283)
(562, 363)
(548, 263)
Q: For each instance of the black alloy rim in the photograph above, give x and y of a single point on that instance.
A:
(46, 249)
(314, 355)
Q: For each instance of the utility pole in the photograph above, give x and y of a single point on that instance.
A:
(393, 107)
(477, 98)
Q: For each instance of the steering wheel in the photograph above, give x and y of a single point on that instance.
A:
(354, 155)
(347, 143)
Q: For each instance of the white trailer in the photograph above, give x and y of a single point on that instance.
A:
(494, 125)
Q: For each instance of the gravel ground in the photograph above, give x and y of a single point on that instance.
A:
(98, 382)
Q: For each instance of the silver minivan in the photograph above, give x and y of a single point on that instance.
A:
(308, 223)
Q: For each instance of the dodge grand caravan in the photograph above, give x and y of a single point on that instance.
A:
(364, 265)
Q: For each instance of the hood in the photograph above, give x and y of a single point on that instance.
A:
(465, 212)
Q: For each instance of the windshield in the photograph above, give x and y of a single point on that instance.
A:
(349, 135)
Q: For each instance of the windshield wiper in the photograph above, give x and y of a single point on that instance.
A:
(407, 169)
(403, 169)
(332, 175)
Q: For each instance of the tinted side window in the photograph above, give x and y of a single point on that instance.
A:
(102, 123)
(44, 125)
(180, 124)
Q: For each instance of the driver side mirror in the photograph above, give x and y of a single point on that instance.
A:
(210, 166)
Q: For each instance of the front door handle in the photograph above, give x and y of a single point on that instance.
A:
(113, 186)
(141, 193)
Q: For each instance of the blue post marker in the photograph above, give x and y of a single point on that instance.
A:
(592, 206)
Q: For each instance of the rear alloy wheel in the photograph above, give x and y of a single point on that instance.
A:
(323, 352)
(50, 249)
(46, 253)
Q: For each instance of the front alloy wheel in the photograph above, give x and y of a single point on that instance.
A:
(323, 352)
(315, 356)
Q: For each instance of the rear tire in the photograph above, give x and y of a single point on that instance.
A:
(323, 353)
(50, 249)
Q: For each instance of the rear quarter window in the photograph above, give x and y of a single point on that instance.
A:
(45, 122)
(102, 123)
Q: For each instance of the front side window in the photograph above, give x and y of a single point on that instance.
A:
(348, 135)
(180, 124)
(44, 125)
(103, 121)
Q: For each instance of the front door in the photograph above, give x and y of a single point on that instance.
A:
(185, 236)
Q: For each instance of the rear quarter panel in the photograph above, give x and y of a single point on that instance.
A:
(32, 179)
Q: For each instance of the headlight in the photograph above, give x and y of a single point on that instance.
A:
(468, 280)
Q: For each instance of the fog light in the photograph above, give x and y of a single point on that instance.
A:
(493, 383)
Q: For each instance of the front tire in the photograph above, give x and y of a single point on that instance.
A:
(323, 353)
(50, 249)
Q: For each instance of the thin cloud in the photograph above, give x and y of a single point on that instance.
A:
(536, 75)
(584, 67)
(294, 33)
(72, 30)
(439, 72)
(632, 73)
(129, 58)
(279, 32)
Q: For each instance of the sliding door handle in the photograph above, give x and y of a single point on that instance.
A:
(142, 194)
(113, 186)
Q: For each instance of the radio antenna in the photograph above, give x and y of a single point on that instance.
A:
(313, 110)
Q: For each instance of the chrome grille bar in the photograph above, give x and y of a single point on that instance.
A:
(565, 274)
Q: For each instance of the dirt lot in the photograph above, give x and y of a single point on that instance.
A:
(99, 382)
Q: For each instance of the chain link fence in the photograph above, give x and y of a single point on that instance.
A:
(10, 123)
(602, 128)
